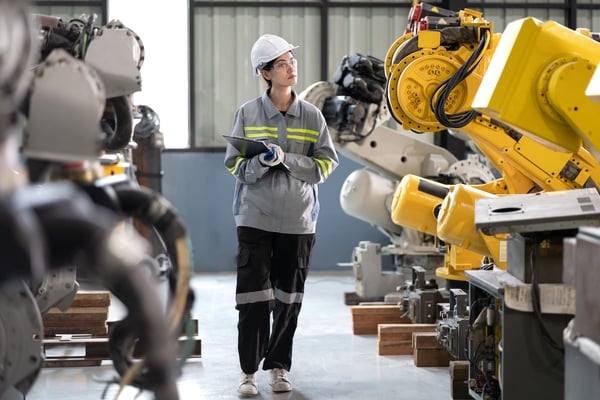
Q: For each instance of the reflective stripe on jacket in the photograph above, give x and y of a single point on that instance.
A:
(269, 198)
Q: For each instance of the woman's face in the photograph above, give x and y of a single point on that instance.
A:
(284, 71)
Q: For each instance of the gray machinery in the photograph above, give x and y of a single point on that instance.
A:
(518, 353)
(581, 338)
(581, 271)
(68, 136)
(51, 228)
(102, 86)
(420, 298)
(356, 111)
(453, 325)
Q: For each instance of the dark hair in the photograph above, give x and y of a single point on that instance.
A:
(267, 67)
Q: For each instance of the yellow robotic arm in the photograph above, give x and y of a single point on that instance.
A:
(536, 83)
(446, 211)
(433, 78)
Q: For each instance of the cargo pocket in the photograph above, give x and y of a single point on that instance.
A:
(242, 257)
(305, 251)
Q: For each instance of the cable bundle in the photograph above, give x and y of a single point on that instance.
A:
(460, 119)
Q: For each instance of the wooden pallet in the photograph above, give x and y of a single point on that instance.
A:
(366, 317)
(87, 314)
(459, 380)
(79, 335)
(428, 352)
(397, 339)
(71, 351)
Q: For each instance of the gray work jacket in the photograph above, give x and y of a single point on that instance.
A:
(270, 198)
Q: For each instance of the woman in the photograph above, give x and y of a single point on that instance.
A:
(275, 208)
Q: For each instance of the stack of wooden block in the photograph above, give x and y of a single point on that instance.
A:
(459, 380)
(79, 335)
(86, 315)
(366, 317)
(427, 351)
(397, 339)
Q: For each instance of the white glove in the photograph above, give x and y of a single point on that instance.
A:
(271, 157)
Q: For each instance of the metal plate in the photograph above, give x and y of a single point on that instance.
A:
(537, 212)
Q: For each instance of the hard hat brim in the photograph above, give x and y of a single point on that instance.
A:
(261, 66)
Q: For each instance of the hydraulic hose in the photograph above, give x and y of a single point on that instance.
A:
(119, 136)
(154, 210)
(79, 232)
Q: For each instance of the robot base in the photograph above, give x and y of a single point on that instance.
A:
(372, 282)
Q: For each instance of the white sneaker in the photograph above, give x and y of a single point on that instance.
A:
(280, 381)
(248, 384)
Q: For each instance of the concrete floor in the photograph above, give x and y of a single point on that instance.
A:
(329, 361)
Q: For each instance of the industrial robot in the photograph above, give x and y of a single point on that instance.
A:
(433, 78)
(53, 100)
(520, 97)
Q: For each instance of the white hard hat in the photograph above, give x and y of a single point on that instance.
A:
(267, 48)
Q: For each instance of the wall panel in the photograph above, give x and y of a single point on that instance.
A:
(224, 78)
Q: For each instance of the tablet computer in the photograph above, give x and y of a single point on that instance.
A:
(249, 148)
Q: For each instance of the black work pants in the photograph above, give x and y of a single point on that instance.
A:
(271, 271)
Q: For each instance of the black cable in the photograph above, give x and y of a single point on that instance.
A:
(460, 119)
(535, 300)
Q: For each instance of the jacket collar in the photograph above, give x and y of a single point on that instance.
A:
(272, 111)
